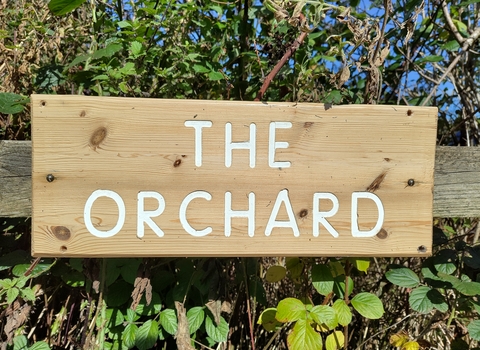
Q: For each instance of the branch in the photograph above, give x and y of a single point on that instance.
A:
(290, 51)
(450, 23)
(467, 43)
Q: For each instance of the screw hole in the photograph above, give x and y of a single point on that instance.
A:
(43, 103)
(63, 249)
(422, 249)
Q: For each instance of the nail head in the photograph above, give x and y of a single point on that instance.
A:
(411, 182)
(50, 178)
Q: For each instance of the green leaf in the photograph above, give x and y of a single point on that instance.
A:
(275, 273)
(432, 58)
(11, 103)
(124, 24)
(339, 286)
(322, 279)
(324, 314)
(62, 7)
(368, 305)
(168, 320)
(403, 277)
(215, 76)
(464, 287)
(267, 319)
(7, 283)
(334, 97)
(474, 329)
(291, 310)
(108, 51)
(198, 68)
(419, 301)
(136, 48)
(20, 343)
(77, 60)
(462, 28)
(195, 317)
(217, 333)
(28, 294)
(451, 45)
(438, 301)
(19, 270)
(295, 267)
(131, 316)
(304, 337)
(39, 345)
(361, 264)
(12, 294)
(146, 335)
(335, 341)
(444, 261)
(343, 312)
(128, 335)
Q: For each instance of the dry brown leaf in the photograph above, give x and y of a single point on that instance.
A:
(215, 307)
(183, 334)
(343, 76)
(226, 307)
(16, 317)
(141, 285)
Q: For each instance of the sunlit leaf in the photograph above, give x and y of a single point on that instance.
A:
(62, 7)
(322, 279)
(146, 335)
(304, 337)
(291, 310)
(342, 311)
(368, 305)
(335, 341)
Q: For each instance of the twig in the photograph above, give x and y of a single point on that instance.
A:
(289, 53)
(467, 43)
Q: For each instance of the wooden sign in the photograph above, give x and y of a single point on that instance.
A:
(125, 177)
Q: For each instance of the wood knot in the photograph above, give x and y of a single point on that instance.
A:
(382, 234)
(61, 232)
(83, 114)
(97, 137)
(307, 125)
(177, 163)
(303, 213)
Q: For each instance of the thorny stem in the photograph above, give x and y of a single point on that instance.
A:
(289, 53)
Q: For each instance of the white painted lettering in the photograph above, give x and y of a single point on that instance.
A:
(381, 214)
(145, 216)
(319, 216)
(273, 145)
(87, 213)
(183, 213)
(282, 197)
(198, 125)
(249, 214)
(230, 146)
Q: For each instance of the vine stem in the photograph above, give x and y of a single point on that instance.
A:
(288, 54)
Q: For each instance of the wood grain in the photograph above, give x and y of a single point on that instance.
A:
(456, 184)
(15, 178)
(132, 145)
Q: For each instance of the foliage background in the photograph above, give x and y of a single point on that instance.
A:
(390, 52)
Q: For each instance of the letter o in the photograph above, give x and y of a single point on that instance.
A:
(87, 212)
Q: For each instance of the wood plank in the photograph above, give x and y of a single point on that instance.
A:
(457, 182)
(15, 178)
(124, 148)
(456, 189)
